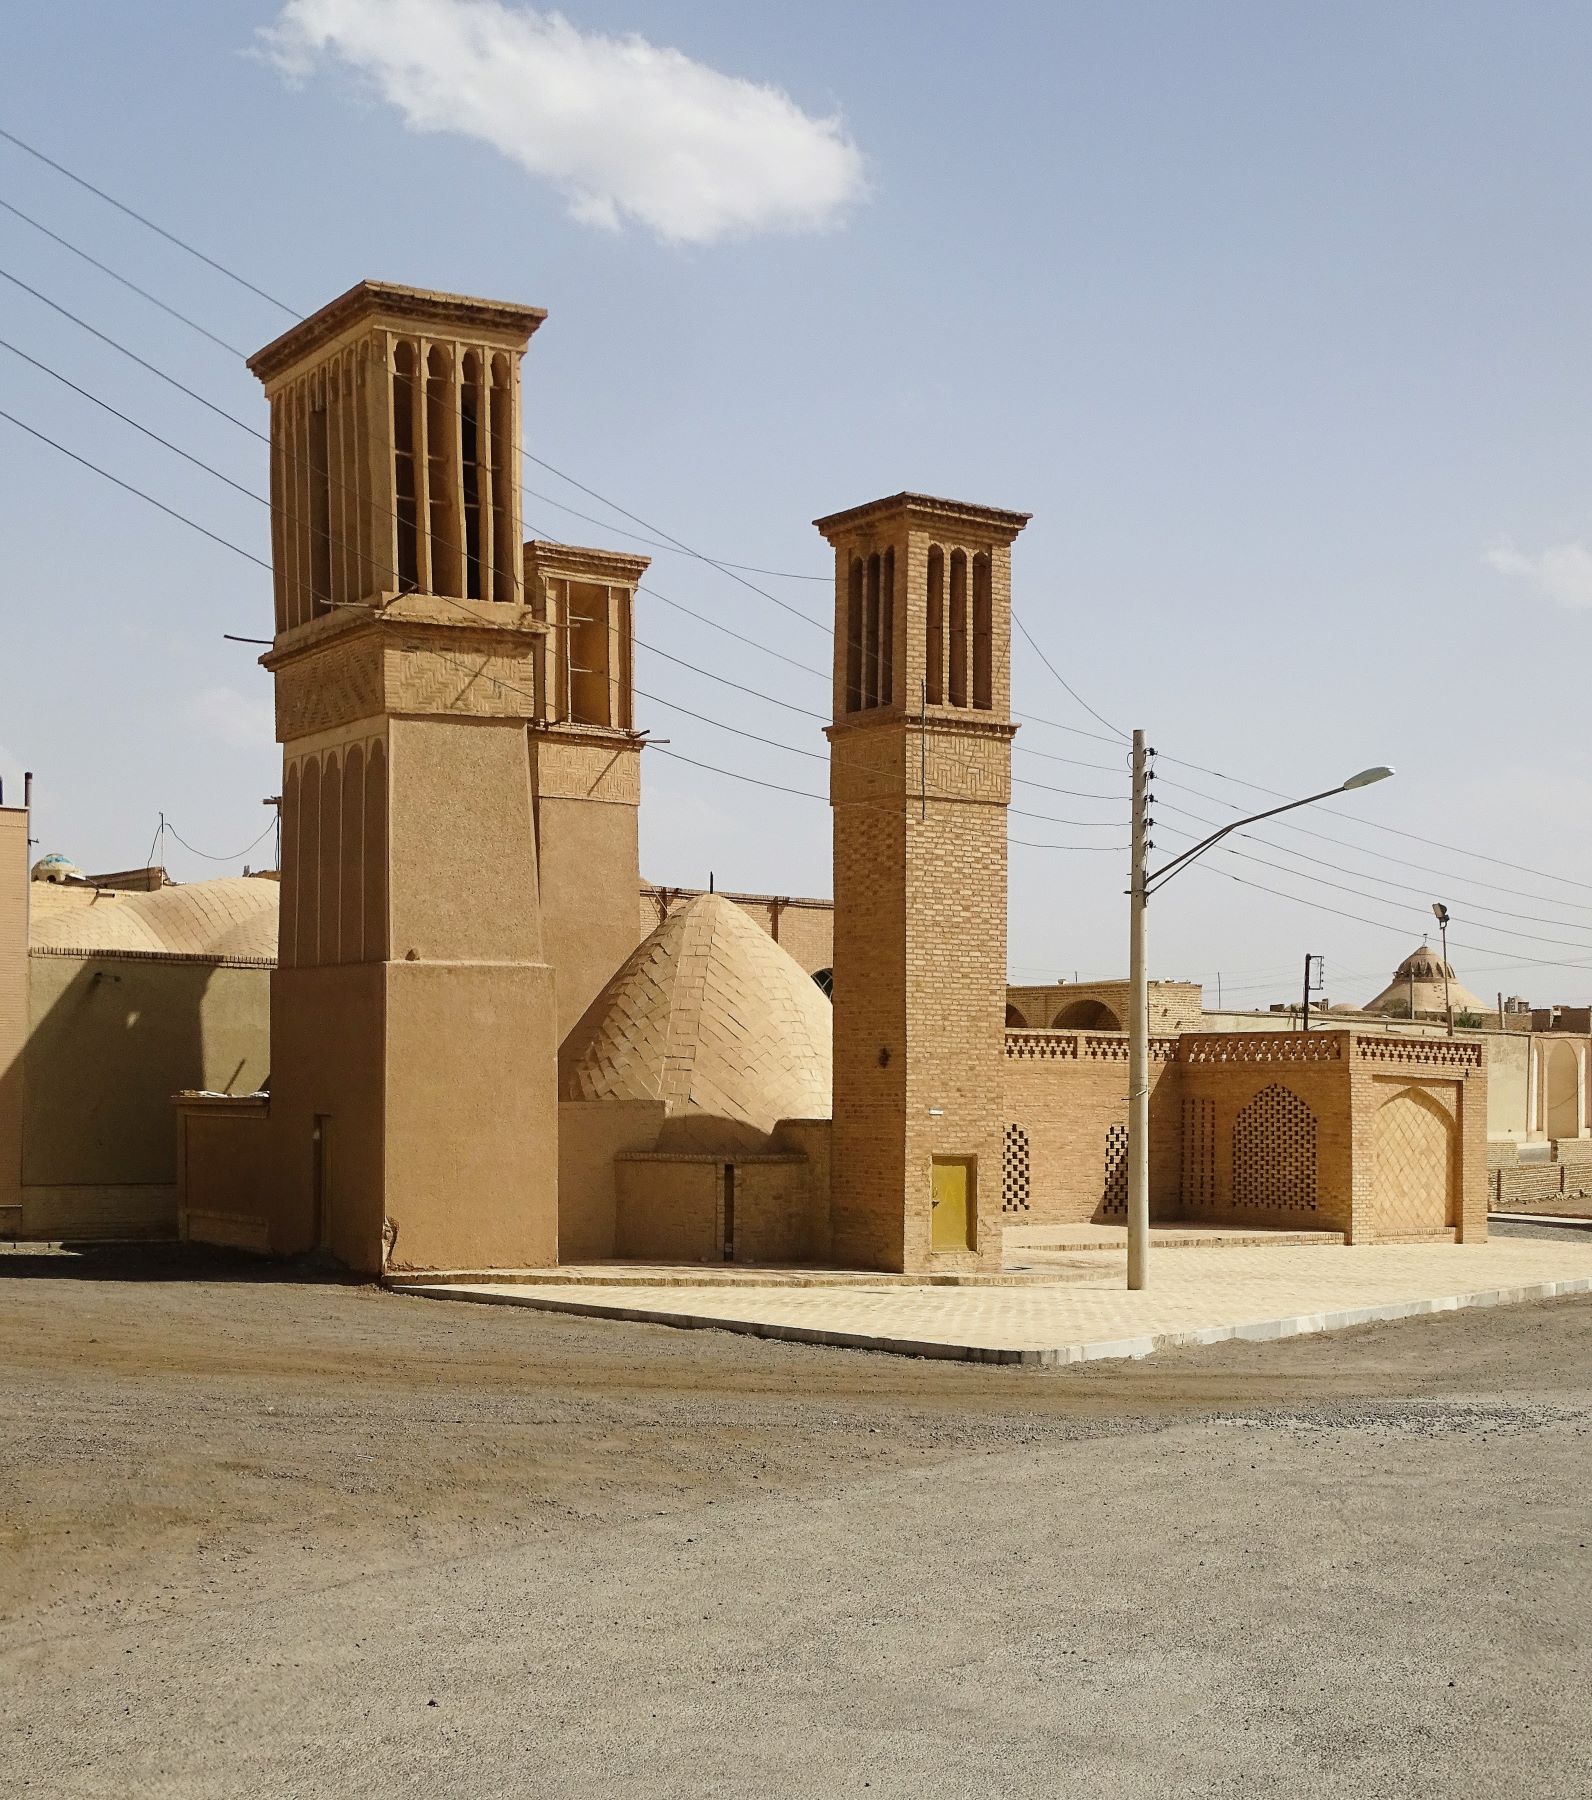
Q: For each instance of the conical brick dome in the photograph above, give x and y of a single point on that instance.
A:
(714, 1019)
(1419, 980)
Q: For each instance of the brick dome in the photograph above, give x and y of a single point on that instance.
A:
(710, 1016)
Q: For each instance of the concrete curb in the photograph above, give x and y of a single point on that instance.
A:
(1047, 1357)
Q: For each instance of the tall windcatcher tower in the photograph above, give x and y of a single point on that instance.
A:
(413, 1019)
(920, 780)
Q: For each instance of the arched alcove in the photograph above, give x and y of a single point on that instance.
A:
(1086, 1015)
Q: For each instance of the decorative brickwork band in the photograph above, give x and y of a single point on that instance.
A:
(1435, 1053)
(1266, 1047)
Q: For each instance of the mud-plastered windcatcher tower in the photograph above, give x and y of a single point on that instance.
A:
(585, 763)
(414, 1034)
(920, 780)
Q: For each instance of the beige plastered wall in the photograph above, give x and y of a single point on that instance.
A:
(672, 1207)
(13, 1009)
(224, 1171)
(1508, 1054)
(591, 1135)
(586, 806)
(111, 1039)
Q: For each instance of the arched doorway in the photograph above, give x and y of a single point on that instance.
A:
(1014, 1019)
(1560, 1113)
(1412, 1182)
(1086, 1015)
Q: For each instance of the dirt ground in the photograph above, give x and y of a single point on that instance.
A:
(271, 1537)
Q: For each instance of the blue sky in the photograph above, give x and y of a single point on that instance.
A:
(1275, 317)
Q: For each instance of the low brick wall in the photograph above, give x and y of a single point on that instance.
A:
(1531, 1187)
(1374, 1135)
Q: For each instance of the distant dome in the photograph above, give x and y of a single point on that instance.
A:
(1417, 989)
(56, 867)
(232, 919)
(714, 1019)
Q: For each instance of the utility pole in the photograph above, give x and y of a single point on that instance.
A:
(1138, 1030)
(1319, 984)
(1142, 883)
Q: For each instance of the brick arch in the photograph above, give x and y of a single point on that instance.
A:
(1086, 1015)
(1412, 1184)
(1014, 1019)
(1274, 1153)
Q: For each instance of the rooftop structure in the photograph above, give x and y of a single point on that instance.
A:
(1418, 986)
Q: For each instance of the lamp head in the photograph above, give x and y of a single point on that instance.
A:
(1366, 777)
(1440, 911)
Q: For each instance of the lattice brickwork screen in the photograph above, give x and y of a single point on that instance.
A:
(1199, 1152)
(1274, 1152)
(1114, 1190)
(1014, 1170)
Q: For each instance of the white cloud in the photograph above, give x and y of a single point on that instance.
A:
(242, 721)
(1563, 571)
(623, 128)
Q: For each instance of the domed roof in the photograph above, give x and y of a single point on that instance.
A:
(1424, 964)
(710, 1016)
(1417, 987)
(233, 919)
(56, 867)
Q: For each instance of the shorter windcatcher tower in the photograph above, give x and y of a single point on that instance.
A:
(920, 780)
(414, 1022)
(585, 762)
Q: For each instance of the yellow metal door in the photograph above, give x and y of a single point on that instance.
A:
(951, 1210)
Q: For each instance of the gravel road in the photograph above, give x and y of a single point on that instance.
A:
(264, 1537)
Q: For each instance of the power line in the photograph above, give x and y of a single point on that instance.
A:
(132, 355)
(105, 269)
(1376, 825)
(740, 637)
(115, 413)
(170, 236)
(1059, 677)
(170, 511)
(724, 681)
(1378, 899)
(1380, 880)
(167, 826)
(685, 549)
(658, 543)
(672, 542)
(1382, 924)
(1363, 850)
(646, 524)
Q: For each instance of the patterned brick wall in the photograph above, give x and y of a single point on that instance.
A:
(1336, 1130)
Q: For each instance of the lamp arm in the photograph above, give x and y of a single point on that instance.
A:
(1168, 870)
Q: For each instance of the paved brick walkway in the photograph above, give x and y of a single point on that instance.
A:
(1195, 1297)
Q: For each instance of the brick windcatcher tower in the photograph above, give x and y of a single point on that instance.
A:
(920, 780)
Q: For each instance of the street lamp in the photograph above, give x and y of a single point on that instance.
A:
(1442, 925)
(1143, 883)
